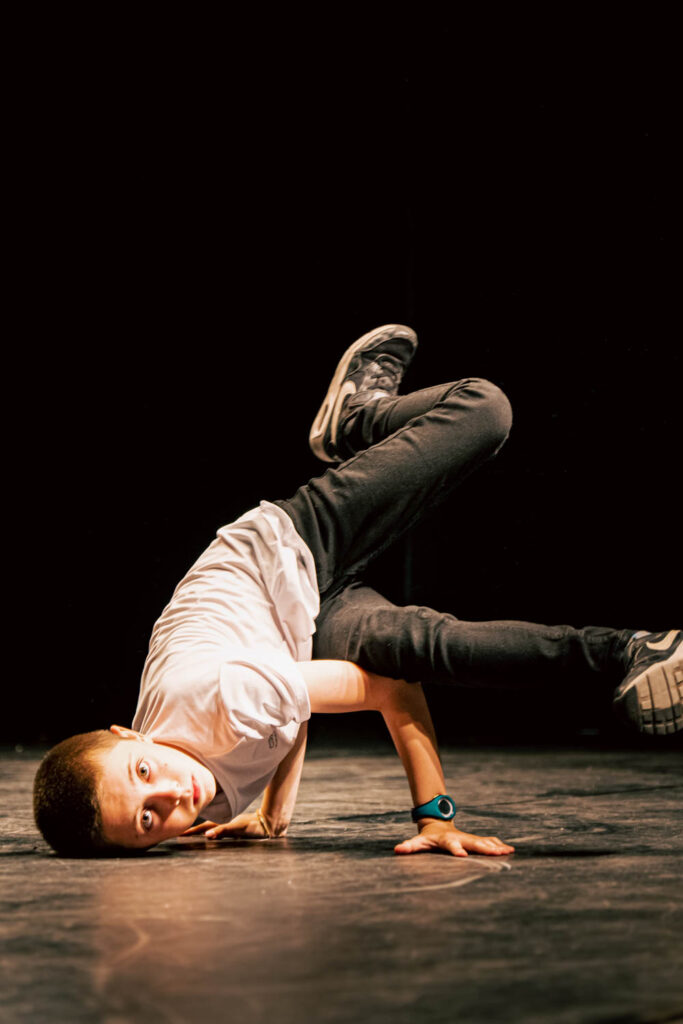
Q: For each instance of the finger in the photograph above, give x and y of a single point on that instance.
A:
(233, 831)
(229, 830)
(421, 844)
(452, 845)
(490, 846)
(202, 827)
(414, 845)
(506, 847)
(483, 846)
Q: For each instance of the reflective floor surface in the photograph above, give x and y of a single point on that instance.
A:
(584, 923)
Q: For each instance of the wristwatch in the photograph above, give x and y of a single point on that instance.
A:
(441, 806)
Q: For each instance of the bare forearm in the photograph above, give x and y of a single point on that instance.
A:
(343, 686)
(410, 725)
(337, 686)
(280, 796)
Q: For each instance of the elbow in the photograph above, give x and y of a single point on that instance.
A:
(394, 696)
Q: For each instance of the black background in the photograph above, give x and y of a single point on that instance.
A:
(208, 214)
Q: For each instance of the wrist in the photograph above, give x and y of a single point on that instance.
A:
(273, 825)
(424, 823)
(439, 808)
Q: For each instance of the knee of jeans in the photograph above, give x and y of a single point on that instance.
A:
(495, 412)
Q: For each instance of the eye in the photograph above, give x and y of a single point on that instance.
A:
(146, 820)
(143, 770)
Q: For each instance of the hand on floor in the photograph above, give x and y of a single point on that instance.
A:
(441, 835)
(244, 826)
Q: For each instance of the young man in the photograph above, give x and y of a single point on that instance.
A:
(229, 683)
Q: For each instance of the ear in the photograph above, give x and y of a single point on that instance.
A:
(127, 734)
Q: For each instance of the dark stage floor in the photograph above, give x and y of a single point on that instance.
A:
(584, 923)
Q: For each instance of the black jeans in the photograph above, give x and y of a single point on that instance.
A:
(406, 455)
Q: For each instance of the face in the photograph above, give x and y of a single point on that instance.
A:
(149, 791)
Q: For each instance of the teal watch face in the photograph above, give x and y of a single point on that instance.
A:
(446, 807)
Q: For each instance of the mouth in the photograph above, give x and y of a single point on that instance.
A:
(196, 792)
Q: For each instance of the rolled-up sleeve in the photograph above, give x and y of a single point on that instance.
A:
(262, 690)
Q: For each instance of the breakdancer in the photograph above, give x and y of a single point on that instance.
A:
(274, 622)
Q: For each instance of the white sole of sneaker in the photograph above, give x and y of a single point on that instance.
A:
(336, 393)
(654, 699)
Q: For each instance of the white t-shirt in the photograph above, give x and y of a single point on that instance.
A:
(221, 678)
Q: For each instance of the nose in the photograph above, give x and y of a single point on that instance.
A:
(169, 793)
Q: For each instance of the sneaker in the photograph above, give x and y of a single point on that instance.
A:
(651, 695)
(371, 368)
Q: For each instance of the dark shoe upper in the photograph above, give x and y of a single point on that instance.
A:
(377, 374)
(370, 368)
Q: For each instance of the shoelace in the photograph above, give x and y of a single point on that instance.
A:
(384, 373)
